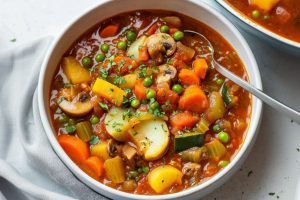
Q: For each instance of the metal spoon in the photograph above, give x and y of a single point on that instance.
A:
(291, 113)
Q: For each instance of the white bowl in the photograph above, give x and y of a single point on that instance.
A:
(259, 28)
(195, 9)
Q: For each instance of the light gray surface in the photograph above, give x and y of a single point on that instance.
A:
(274, 159)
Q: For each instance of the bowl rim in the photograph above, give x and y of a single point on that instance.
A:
(92, 183)
(238, 14)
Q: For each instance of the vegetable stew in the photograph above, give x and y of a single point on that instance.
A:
(137, 105)
(280, 16)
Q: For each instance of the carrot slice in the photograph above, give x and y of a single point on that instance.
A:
(193, 99)
(109, 31)
(188, 77)
(124, 65)
(152, 29)
(96, 165)
(76, 149)
(140, 90)
(200, 67)
(182, 120)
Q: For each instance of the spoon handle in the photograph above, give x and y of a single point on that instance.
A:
(291, 113)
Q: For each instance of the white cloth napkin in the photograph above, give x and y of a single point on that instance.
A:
(27, 161)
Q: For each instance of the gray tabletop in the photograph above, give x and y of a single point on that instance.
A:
(272, 168)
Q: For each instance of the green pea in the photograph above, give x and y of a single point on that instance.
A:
(104, 48)
(255, 14)
(148, 81)
(135, 103)
(219, 81)
(164, 29)
(178, 35)
(70, 129)
(100, 57)
(122, 45)
(140, 170)
(94, 120)
(133, 174)
(177, 88)
(216, 128)
(224, 137)
(131, 36)
(150, 94)
(86, 62)
(154, 105)
(223, 163)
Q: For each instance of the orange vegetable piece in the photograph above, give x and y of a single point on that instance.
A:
(143, 53)
(140, 90)
(109, 31)
(76, 149)
(173, 30)
(164, 94)
(200, 67)
(96, 165)
(193, 99)
(182, 120)
(124, 62)
(152, 29)
(188, 77)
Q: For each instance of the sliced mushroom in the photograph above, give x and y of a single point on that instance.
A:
(159, 44)
(79, 106)
(191, 169)
(166, 74)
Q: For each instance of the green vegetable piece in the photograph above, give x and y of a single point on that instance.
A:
(188, 140)
(94, 140)
(148, 82)
(104, 48)
(70, 129)
(224, 137)
(131, 36)
(223, 163)
(164, 29)
(177, 88)
(133, 174)
(63, 118)
(267, 17)
(100, 57)
(94, 120)
(216, 128)
(150, 94)
(84, 130)
(215, 149)
(219, 81)
(135, 103)
(86, 62)
(122, 45)
(227, 97)
(145, 169)
(256, 14)
(154, 105)
(178, 35)
(71, 122)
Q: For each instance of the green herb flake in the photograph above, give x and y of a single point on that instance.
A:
(103, 73)
(13, 40)
(103, 105)
(58, 111)
(118, 80)
(271, 193)
(70, 129)
(94, 140)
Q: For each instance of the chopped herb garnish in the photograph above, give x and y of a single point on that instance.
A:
(58, 111)
(70, 129)
(13, 40)
(128, 114)
(127, 90)
(126, 102)
(104, 73)
(119, 80)
(60, 99)
(94, 140)
(271, 193)
(103, 105)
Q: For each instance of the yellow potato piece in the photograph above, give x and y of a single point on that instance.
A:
(163, 177)
(109, 91)
(265, 5)
(130, 80)
(74, 71)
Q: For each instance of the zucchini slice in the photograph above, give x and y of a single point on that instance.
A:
(188, 140)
